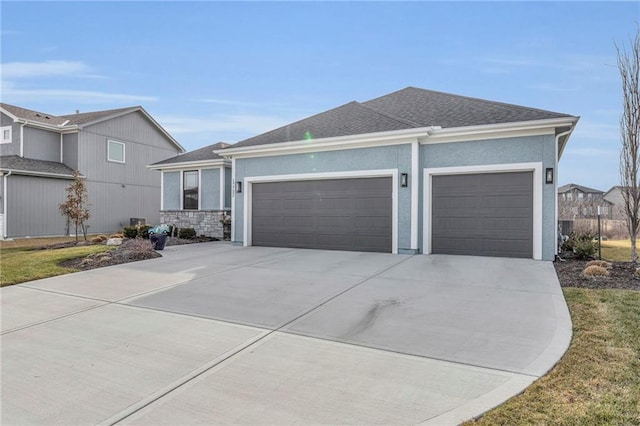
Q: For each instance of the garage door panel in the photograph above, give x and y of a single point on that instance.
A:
(340, 214)
(489, 214)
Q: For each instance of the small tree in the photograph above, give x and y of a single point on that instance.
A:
(629, 68)
(74, 208)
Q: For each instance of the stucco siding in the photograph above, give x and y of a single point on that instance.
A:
(227, 187)
(210, 189)
(70, 150)
(171, 191)
(397, 157)
(502, 151)
(41, 144)
(32, 208)
(112, 205)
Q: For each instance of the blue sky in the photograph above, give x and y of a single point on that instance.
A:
(212, 72)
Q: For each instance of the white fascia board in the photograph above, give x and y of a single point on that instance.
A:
(5, 112)
(44, 126)
(190, 164)
(497, 131)
(367, 140)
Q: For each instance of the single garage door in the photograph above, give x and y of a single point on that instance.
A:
(336, 214)
(488, 214)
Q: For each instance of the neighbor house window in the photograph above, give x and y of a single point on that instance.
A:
(115, 151)
(569, 196)
(6, 134)
(580, 195)
(190, 190)
(604, 210)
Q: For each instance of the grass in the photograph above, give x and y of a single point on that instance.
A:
(597, 382)
(618, 250)
(22, 263)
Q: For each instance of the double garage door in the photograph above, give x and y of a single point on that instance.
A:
(334, 214)
(488, 214)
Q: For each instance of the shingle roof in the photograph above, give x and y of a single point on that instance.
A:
(202, 154)
(405, 109)
(572, 186)
(28, 114)
(19, 164)
(88, 117)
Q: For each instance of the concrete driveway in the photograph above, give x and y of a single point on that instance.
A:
(216, 334)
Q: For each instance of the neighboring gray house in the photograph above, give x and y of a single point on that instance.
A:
(414, 171)
(196, 190)
(39, 152)
(614, 197)
(581, 202)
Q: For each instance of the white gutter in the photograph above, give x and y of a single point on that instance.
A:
(22, 139)
(31, 173)
(186, 164)
(4, 204)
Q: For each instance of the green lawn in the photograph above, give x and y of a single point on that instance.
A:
(597, 382)
(21, 264)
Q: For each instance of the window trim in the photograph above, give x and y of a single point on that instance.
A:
(182, 188)
(124, 152)
(4, 129)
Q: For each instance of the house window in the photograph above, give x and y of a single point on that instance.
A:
(589, 195)
(190, 190)
(604, 210)
(569, 196)
(564, 196)
(580, 195)
(115, 151)
(6, 134)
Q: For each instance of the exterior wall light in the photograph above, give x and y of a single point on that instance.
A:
(548, 175)
(404, 180)
(238, 187)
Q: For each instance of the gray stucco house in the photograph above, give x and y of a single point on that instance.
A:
(196, 190)
(39, 152)
(414, 171)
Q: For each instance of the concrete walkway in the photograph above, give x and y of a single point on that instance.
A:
(217, 334)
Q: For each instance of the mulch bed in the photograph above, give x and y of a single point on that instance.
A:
(622, 275)
(128, 251)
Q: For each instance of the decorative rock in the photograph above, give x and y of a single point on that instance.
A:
(114, 241)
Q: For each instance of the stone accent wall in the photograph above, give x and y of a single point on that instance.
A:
(205, 222)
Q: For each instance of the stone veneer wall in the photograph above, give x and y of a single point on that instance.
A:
(205, 222)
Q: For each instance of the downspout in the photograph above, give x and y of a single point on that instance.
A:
(22, 139)
(555, 181)
(4, 204)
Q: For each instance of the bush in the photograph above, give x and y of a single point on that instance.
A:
(141, 231)
(582, 244)
(601, 263)
(595, 271)
(119, 235)
(187, 233)
(99, 239)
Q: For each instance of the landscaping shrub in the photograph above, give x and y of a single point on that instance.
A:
(99, 239)
(119, 235)
(582, 244)
(595, 271)
(601, 263)
(141, 231)
(187, 233)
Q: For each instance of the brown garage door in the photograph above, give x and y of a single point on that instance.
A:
(489, 214)
(336, 214)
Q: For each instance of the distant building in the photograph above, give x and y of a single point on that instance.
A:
(581, 202)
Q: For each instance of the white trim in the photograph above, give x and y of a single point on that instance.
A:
(30, 173)
(199, 189)
(367, 140)
(490, 168)
(61, 148)
(124, 157)
(415, 193)
(249, 181)
(181, 189)
(4, 129)
(221, 188)
(161, 190)
(233, 200)
(5, 205)
(22, 139)
(189, 164)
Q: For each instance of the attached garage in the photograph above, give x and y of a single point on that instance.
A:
(331, 214)
(484, 214)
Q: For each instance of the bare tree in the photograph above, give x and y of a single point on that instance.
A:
(629, 68)
(74, 208)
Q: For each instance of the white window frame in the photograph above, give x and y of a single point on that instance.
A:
(4, 129)
(124, 152)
